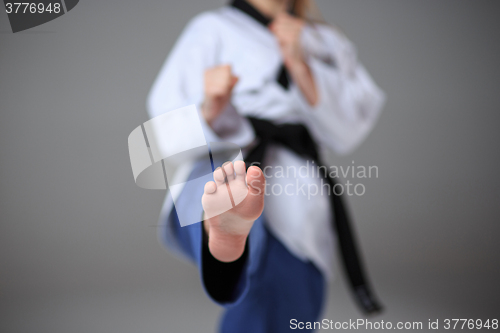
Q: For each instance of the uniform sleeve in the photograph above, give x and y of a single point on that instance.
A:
(180, 81)
(349, 100)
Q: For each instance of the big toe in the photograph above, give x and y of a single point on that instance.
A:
(256, 181)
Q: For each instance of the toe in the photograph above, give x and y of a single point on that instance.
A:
(240, 170)
(229, 170)
(256, 181)
(219, 176)
(210, 188)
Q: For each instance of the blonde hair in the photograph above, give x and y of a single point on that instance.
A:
(308, 10)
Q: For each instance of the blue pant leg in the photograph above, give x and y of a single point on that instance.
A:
(280, 288)
(189, 238)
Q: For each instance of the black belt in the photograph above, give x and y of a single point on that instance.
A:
(298, 139)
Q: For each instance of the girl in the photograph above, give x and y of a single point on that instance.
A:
(262, 77)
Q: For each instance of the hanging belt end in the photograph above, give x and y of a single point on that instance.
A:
(369, 304)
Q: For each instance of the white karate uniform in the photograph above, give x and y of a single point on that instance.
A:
(348, 107)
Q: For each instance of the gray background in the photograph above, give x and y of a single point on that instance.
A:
(78, 246)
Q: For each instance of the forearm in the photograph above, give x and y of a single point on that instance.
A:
(303, 78)
(210, 110)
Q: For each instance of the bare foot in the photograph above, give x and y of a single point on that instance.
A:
(228, 229)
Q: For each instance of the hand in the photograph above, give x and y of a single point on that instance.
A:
(288, 30)
(219, 83)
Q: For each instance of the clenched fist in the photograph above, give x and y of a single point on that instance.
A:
(287, 30)
(219, 83)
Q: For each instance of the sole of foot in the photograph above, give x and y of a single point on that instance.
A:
(232, 202)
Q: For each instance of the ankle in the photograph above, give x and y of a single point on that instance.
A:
(226, 247)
